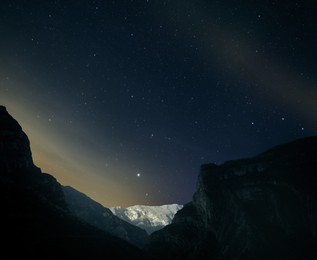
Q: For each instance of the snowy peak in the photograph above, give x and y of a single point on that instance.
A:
(150, 218)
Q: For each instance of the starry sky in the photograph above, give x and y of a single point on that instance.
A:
(125, 100)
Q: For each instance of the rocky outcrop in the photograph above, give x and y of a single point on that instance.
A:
(17, 167)
(15, 150)
(258, 208)
(101, 217)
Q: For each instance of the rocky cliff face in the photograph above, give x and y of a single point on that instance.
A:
(17, 167)
(35, 220)
(15, 150)
(258, 208)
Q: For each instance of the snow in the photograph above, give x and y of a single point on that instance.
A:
(150, 218)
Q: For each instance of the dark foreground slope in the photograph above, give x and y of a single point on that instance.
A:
(259, 208)
(35, 221)
(101, 217)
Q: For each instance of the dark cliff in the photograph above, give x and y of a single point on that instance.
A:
(36, 222)
(258, 208)
(17, 168)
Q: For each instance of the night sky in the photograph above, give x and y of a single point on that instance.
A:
(125, 100)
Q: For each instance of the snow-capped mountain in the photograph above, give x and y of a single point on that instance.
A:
(150, 218)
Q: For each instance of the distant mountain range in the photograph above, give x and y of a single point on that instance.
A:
(150, 218)
(264, 207)
(129, 224)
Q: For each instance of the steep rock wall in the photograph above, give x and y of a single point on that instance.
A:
(258, 208)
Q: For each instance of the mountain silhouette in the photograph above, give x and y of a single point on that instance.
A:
(36, 221)
(263, 207)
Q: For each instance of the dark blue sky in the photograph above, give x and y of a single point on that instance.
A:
(124, 100)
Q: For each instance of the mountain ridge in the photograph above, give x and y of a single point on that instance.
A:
(150, 218)
(102, 217)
